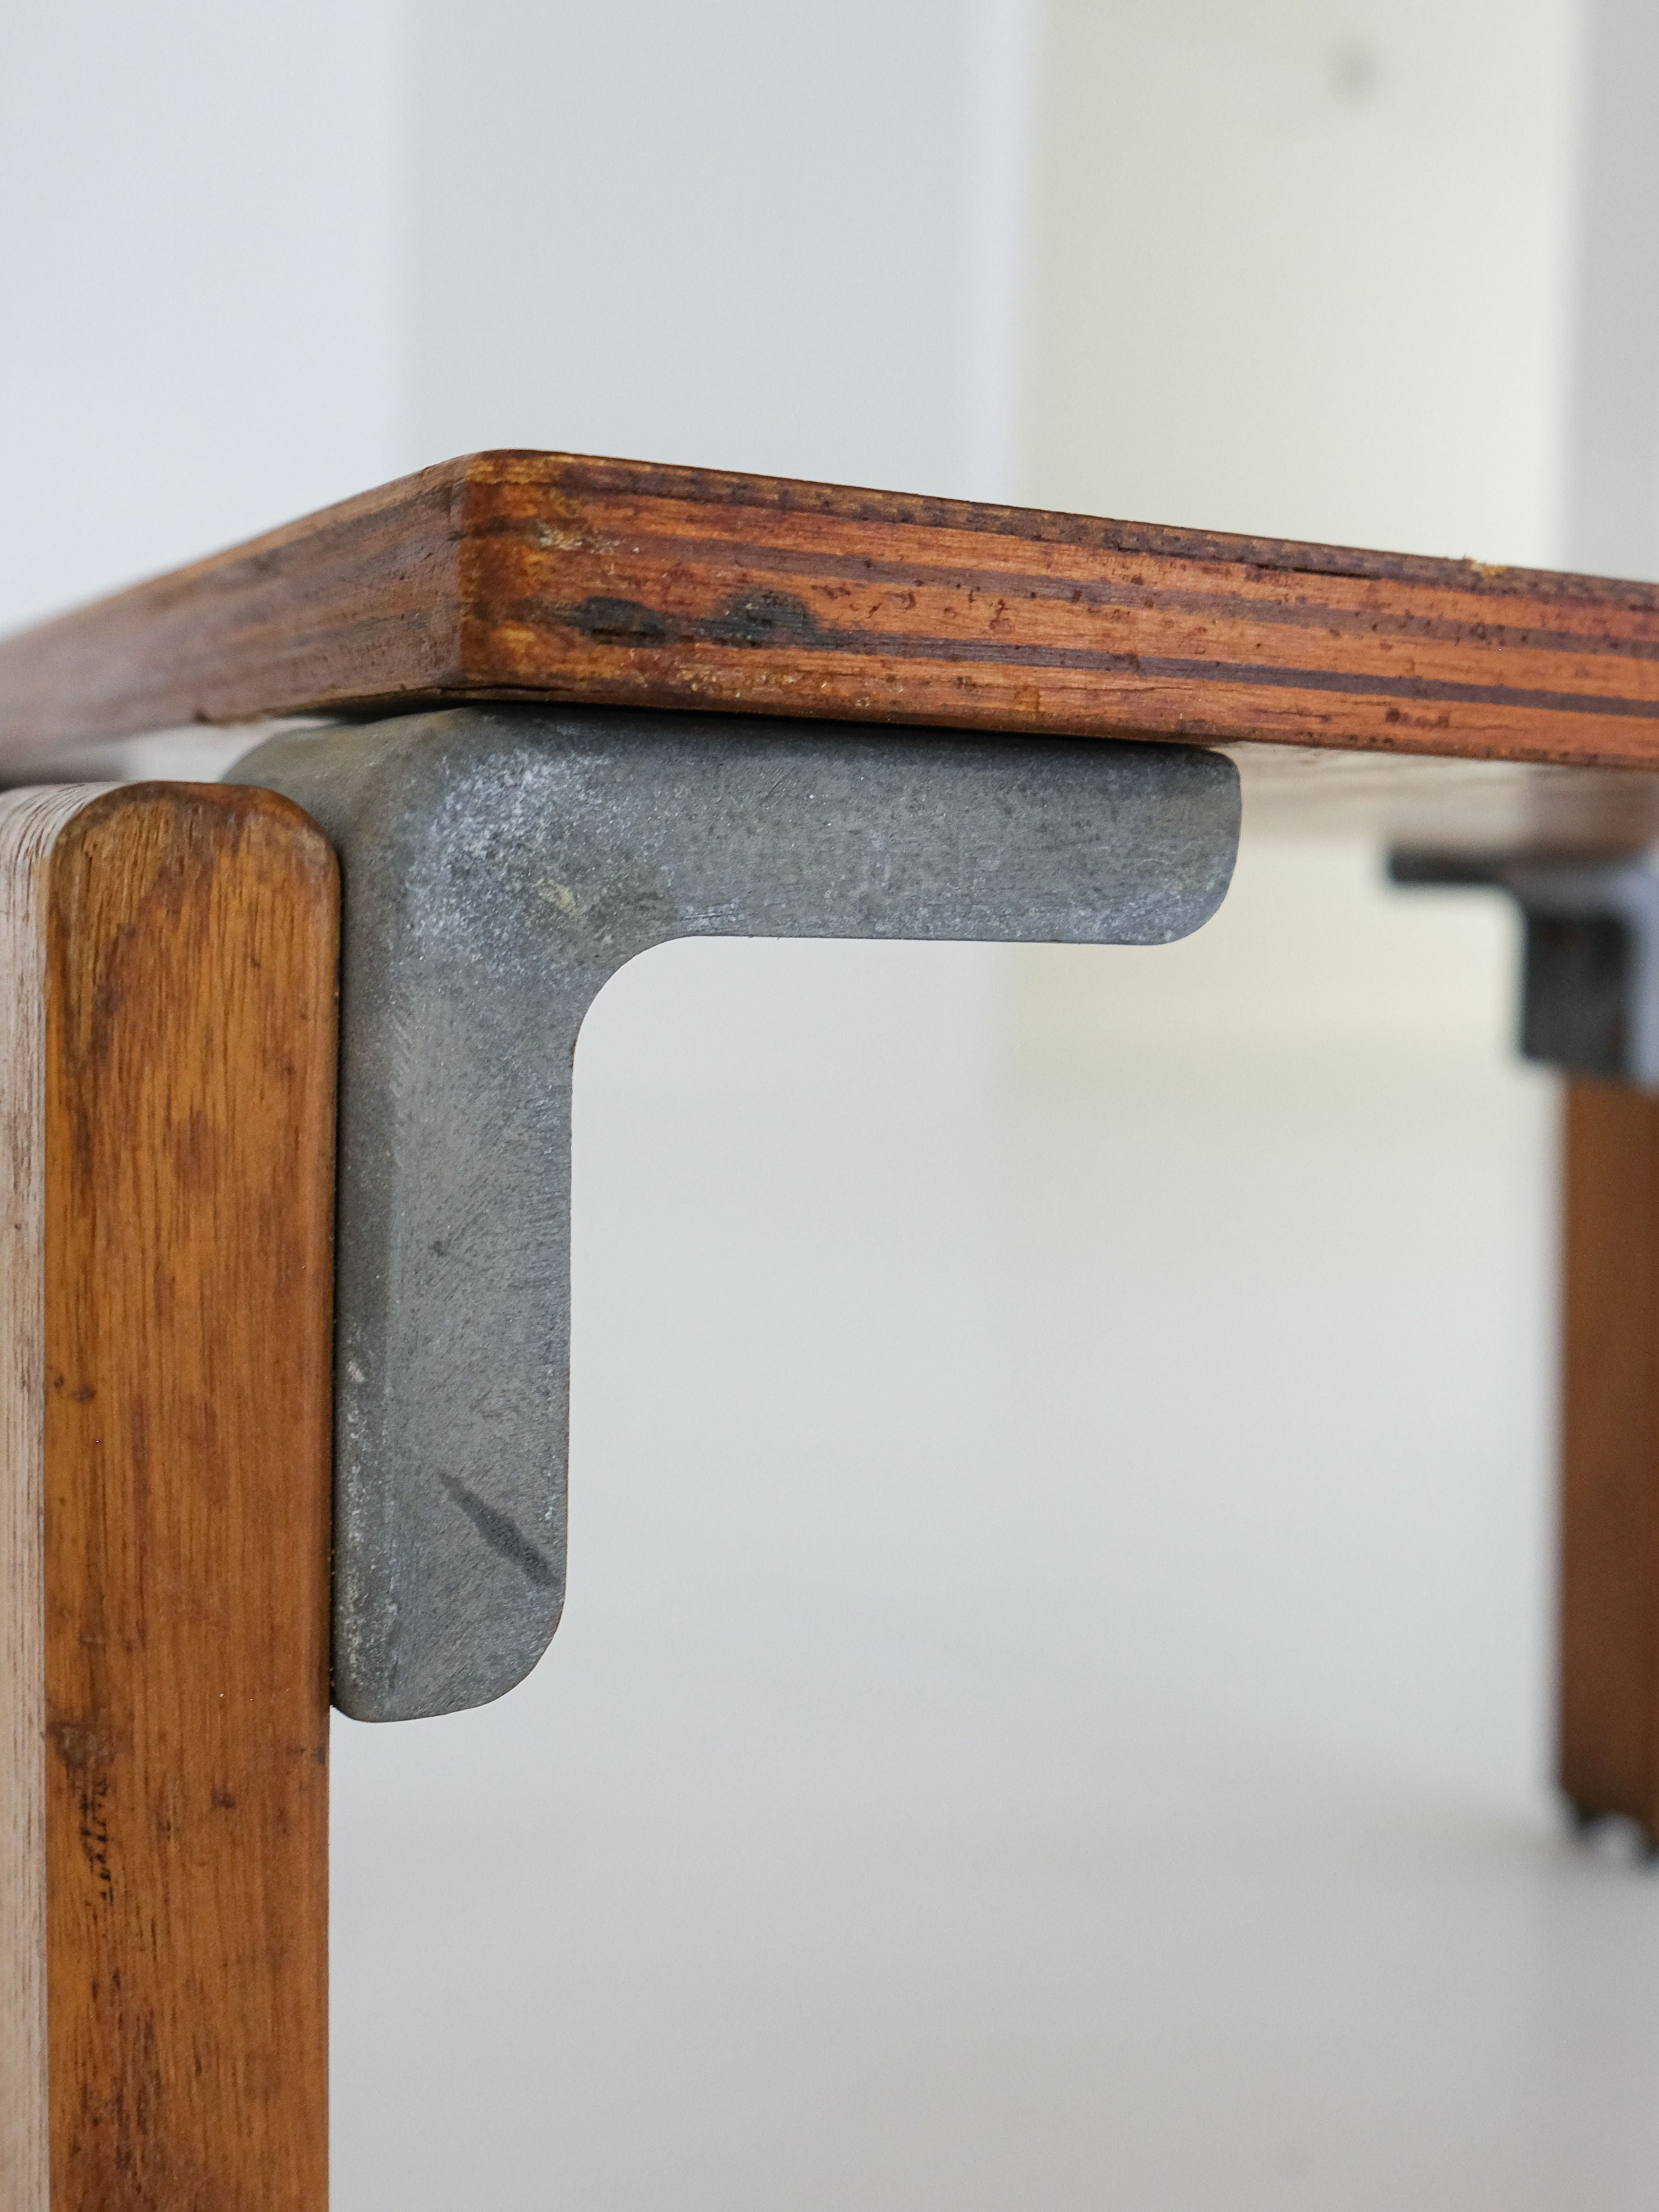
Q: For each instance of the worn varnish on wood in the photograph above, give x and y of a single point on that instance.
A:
(167, 958)
(551, 577)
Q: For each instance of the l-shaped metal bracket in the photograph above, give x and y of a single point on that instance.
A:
(1589, 993)
(498, 867)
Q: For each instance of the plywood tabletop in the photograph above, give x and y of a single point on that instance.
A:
(551, 577)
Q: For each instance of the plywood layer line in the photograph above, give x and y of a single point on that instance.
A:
(549, 576)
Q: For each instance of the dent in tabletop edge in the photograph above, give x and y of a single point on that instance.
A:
(499, 866)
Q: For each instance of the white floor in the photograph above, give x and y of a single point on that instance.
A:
(1052, 1708)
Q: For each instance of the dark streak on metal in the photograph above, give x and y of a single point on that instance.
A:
(502, 1534)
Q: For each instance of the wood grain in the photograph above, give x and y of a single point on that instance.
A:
(182, 1156)
(30, 822)
(1609, 1619)
(552, 576)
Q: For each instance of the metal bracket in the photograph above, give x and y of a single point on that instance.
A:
(498, 868)
(1589, 996)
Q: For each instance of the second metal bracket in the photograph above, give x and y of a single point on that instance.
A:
(1590, 992)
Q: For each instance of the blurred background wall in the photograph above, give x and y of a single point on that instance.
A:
(1053, 1703)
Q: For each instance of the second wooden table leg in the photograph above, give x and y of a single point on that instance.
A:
(1609, 1619)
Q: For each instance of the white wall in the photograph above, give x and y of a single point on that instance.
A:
(1053, 1703)
(1613, 526)
(203, 217)
(724, 233)
(1303, 267)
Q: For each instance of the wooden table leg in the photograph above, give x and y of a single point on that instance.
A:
(1609, 1631)
(167, 959)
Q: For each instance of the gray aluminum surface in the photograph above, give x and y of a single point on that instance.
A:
(498, 868)
(1590, 988)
